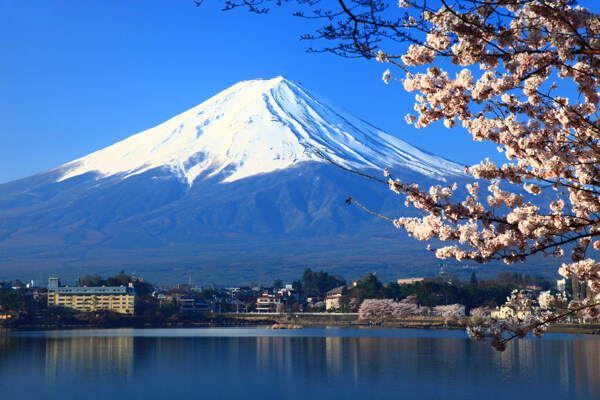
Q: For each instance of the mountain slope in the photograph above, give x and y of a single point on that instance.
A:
(232, 187)
(257, 127)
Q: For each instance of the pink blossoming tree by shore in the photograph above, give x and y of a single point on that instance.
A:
(526, 80)
(377, 309)
(449, 311)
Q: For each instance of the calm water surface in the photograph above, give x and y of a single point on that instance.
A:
(240, 363)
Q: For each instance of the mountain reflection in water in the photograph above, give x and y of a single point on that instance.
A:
(312, 363)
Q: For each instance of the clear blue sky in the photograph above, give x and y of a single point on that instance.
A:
(77, 76)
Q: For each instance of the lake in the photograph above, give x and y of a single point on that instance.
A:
(314, 363)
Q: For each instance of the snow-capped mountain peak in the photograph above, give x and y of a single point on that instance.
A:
(256, 127)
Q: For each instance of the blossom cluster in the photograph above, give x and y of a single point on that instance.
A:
(374, 309)
(527, 318)
(510, 56)
(449, 311)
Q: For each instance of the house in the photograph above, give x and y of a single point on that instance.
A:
(120, 299)
(510, 311)
(190, 305)
(268, 302)
(163, 298)
(534, 288)
(315, 301)
(32, 285)
(332, 298)
(409, 281)
(288, 293)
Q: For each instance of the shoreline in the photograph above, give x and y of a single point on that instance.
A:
(277, 321)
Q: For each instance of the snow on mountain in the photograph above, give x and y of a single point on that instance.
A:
(176, 198)
(256, 127)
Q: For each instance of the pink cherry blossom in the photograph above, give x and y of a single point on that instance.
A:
(517, 60)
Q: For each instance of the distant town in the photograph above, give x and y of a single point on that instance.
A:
(127, 300)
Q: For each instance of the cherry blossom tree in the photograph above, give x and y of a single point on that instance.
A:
(522, 49)
(449, 311)
(280, 308)
(522, 74)
(479, 314)
(405, 308)
(375, 309)
(410, 307)
(382, 308)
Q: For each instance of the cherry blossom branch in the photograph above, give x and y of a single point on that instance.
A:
(510, 56)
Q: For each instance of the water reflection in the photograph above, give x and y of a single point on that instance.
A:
(586, 368)
(145, 366)
(573, 363)
(87, 355)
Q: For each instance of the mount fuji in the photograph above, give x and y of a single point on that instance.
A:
(233, 189)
